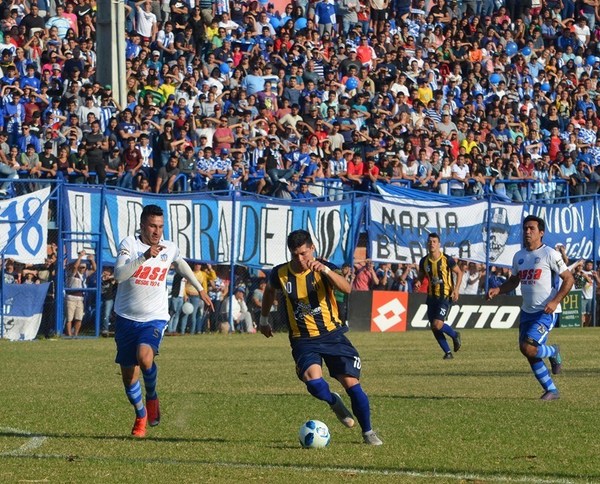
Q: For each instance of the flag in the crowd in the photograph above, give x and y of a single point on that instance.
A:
(23, 308)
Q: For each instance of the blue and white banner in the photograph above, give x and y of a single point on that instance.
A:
(24, 227)
(203, 226)
(22, 312)
(572, 225)
(398, 232)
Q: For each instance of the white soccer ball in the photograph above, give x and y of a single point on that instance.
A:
(314, 434)
(187, 308)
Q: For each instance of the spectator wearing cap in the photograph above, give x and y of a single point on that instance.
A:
(48, 163)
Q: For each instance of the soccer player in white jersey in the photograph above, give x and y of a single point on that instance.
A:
(142, 310)
(536, 268)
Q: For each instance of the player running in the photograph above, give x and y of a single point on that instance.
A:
(142, 310)
(535, 267)
(441, 292)
(316, 331)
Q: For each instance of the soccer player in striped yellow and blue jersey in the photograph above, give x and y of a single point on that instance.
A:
(316, 331)
(444, 277)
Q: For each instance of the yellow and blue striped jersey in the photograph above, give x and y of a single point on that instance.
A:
(439, 273)
(310, 306)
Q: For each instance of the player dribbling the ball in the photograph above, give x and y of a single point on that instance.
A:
(316, 331)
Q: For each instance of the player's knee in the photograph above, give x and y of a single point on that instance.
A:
(529, 348)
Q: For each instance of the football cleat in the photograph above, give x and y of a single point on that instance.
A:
(556, 361)
(139, 427)
(448, 356)
(549, 395)
(457, 342)
(371, 438)
(153, 409)
(341, 412)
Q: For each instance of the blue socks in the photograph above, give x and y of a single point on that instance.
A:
(543, 376)
(134, 394)
(545, 351)
(360, 406)
(319, 388)
(441, 339)
(150, 381)
(448, 330)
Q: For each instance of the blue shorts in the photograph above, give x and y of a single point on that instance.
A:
(335, 349)
(438, 308)
(535, 327)
(131, 334)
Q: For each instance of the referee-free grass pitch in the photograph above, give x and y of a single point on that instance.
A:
(232, 405)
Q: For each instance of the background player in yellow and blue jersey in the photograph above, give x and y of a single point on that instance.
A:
(536, 268)
(444, 277)
(316, 331)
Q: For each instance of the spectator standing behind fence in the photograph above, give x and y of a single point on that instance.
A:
(75, 298)
(582, 275)
(192, 295)
(108, 290)
(365, 277)
(10, 274)
(242, 318)
(176, 302)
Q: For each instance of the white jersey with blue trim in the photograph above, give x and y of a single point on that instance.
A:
(144, 296)
(538, 270)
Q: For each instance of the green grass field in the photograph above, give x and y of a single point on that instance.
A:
(231, 408)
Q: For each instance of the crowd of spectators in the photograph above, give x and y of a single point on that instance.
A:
(317, 98)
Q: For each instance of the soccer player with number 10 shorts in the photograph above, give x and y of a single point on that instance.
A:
(316, 331)
(142, 310)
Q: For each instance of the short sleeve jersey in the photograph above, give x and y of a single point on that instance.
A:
(439, 274)
(144, 296)
(538, 271)
(311, 307)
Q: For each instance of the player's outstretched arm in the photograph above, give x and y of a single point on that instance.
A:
(184, 269)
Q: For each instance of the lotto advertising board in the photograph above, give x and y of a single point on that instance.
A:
(393, 311)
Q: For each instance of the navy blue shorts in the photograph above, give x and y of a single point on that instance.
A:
(535, 327)
(438, 309)
(131, 334)
(336, 350)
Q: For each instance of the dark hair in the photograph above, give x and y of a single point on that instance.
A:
(433, 235)
(151, 211)
(540, 222)
(298, 238)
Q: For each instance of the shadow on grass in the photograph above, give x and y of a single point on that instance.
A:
(65, 435)
(400, 472)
